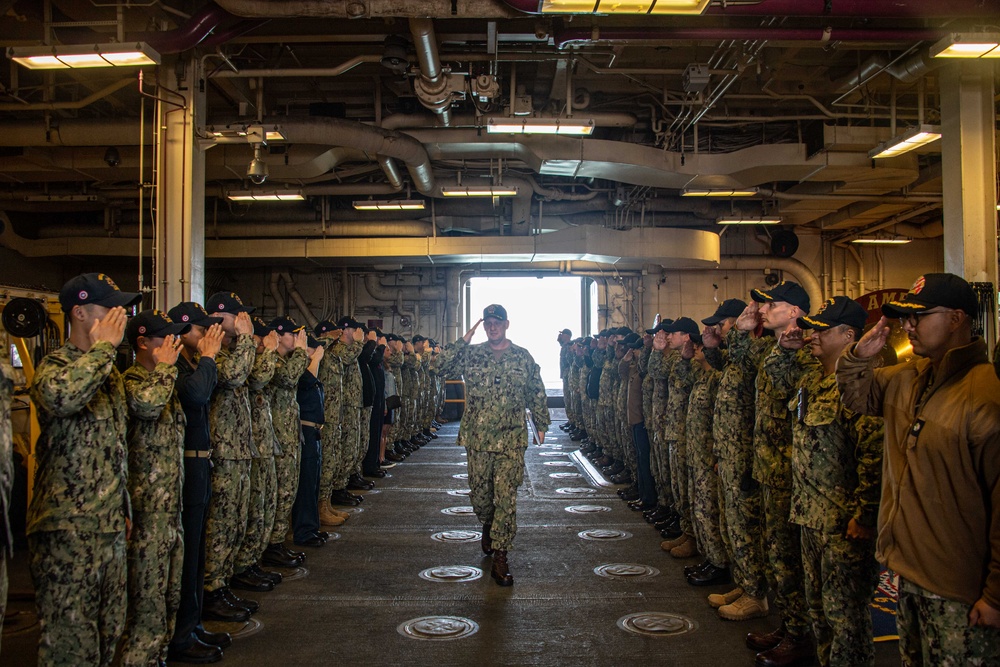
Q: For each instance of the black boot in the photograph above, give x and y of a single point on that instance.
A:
(198, 653)
(501, 572)
(344, 497)
(486, 542)
(276, 556)
(217, 608)
(274, 577)
(240, 603)
(248, 581)
(220, 639)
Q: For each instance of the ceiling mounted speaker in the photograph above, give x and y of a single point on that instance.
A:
(784, 243)
(24, 318)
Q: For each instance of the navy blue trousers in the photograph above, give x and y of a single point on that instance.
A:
(305, 511)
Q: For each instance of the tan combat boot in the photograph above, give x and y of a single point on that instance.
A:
(685, 549)
(716, 600)
(667, 545)
(744, 608)
(327, 516)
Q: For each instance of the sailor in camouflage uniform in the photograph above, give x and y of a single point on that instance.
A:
(777, 381)
(155, 481)
(248, 575)
(232, 453)
(6, 479)
(76, 523)
(331, 376)
(565, 340)
(501, 381)
(346, 352)
(836, 481)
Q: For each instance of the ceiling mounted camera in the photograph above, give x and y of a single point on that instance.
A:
(257, 169)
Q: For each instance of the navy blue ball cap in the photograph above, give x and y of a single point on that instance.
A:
(285, 325)
(726, 309)
(836, 311)
(153, 324)
(633, 341)
(683, 325)
(326, 326)
(313, 342)
(260, 327)
(227, 302)
(192, 313)
(348, 322)
(932, 290)
(496, 311)
(787, 290)
(662, 326)
(95, 288)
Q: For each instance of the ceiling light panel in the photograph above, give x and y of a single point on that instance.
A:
(84, 56)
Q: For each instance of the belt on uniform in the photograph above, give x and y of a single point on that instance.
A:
(318, 427)
(197, 453)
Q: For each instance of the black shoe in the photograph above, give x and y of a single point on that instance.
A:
(248, 581)
(486, 543)
(393, 457)
(198, 653)
(274, 577)
(378, 474)
(359, 483)
(275, 556)
(710, 576)
(631, 494)
(216, 607)
(657, 515)
(314, 541)
(386, 464)
(691, 569)
(323, 535)
(344, 497)
(624, 477)
(671, 533)
(241, 603)
(291, 553)
(220, 639)
(500, 571)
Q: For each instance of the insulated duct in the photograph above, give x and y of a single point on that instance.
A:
(390, 293)
(801, 273)
(432, 85)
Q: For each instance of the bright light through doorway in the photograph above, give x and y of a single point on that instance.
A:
(538, 309)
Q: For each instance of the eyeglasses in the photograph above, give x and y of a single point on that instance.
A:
(914, 320)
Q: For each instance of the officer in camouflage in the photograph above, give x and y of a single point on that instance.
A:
(232, 453)
(80, 512)
(501, 381)
(6, 479)
(155, 483)
(836, 480)
(346, 352)
(331, 376)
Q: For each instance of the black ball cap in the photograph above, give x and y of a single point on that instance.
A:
(313, 342)
(418, 338)
(567, 332)
(98, 289)
(347, 322)
(787, 290)
(496, 311)
(836, 311)
(633, 341)
(227, 302)
(683, 325)
(153, 324)
(728, 308)
(662, 326)
(285, 325)
(193, 313)
(932, 290)
(326, 326)
(260, 327)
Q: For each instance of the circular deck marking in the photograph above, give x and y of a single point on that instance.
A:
(368, 492)
(459, 492)
(293, 573)
(604, 534)
(461, 475)
(457, 536)
(587, 509)
(349, 509)
(19, 622)
(656, 624)
(625, 571)
(565, 475)
(451, 573)
(549, 445)
(438, 628)
(552, 453)
(458, 511)
(236, 630)
(332, 536)
(559, 464)
(576, 491)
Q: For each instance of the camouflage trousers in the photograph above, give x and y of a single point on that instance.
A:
(609, 441)
(589, 417)
(840, 577)
(935, 632)
(347, 450)
(80, 593)
(677, 452)
(329, 463)
(260, 520)
(742, 505)
(628, 449)
(494, 478)
(3, 588)
(784, 560)
(364, 432)
(227, 519)
(286, 467)
(659, 464)
(155, 562)
(705, 512)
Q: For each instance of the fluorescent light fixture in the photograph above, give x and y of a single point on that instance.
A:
(718, 192)
(915, 137)
(390, 205)
(967, 45)
(623, 6)
(540, 126)
(874, 240)
(84, 56)
(265, 195)
(750, 220)
(479, 191)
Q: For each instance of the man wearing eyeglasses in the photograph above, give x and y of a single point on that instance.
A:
(939, 516)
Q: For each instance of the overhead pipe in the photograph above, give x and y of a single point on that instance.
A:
(237, 230)
(799, 271)
(432, 85)
(859, 9)
(406, 313)
(584, 36)
(403, 121)
(300, 303)
(381, 292)
(391, 171)
(73, 105)
(336, 70)
(279, 301)
(369, 9)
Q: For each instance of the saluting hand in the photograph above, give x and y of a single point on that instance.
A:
(271, 341)
(372, 335)
(791, 339)
(211, 342)
(687, 352)
(111, 328)
(874, 340)
(168, 352)
(243, 325)
(749, 318)
(301, 340)
(472, 332)
(660, 341)
(317, 354)
(711, 337)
